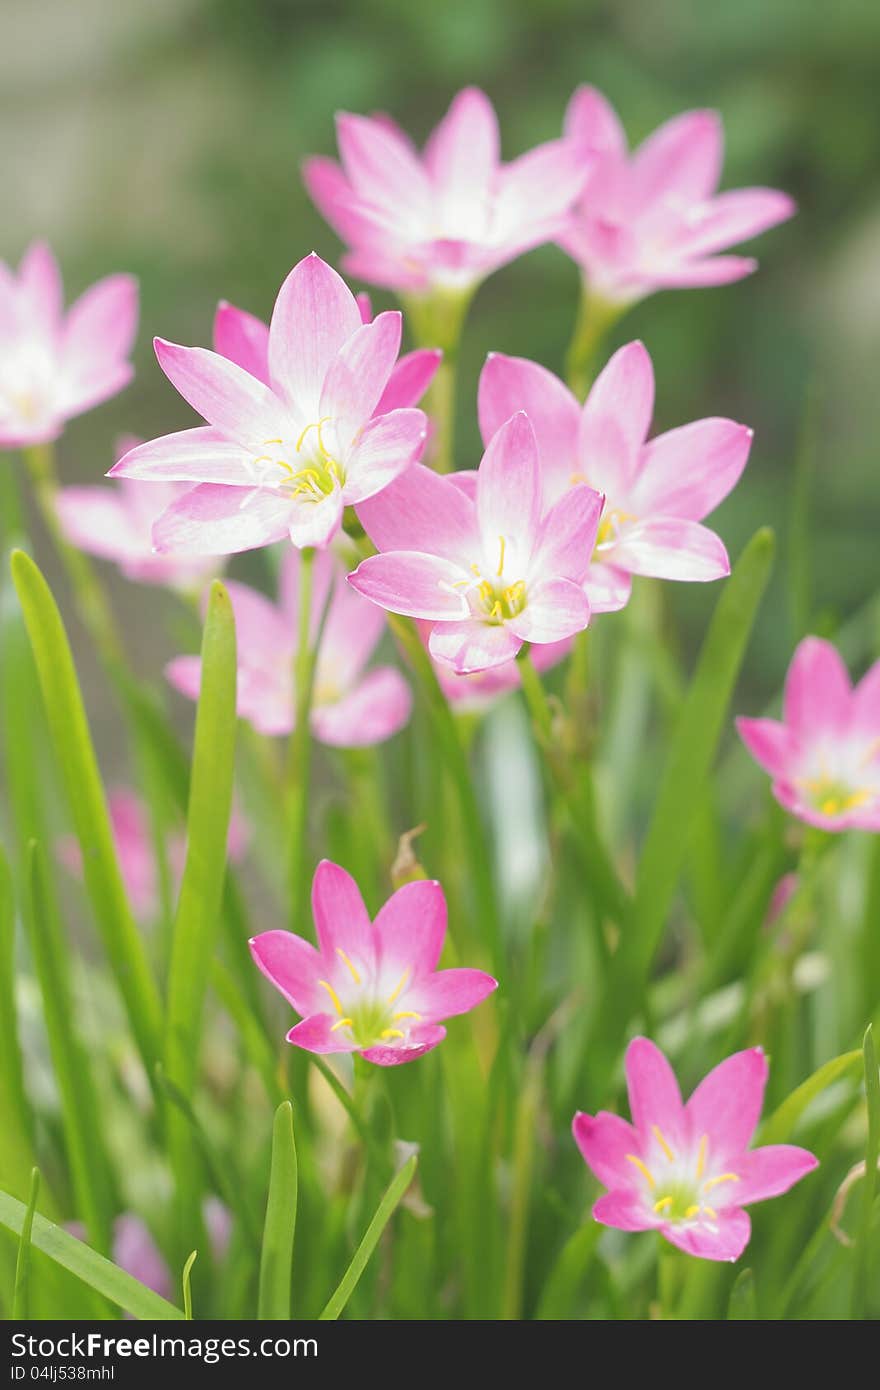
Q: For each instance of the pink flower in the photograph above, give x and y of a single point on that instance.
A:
(656, 492)
(446, 218)
(686, 1170)
(370, 987)
(477, 555)
(116, 524)
(55, 365)
(349, 708)
(824, 757)
(654, 220)
(283, 458)
(135, 1250)
(475, 692)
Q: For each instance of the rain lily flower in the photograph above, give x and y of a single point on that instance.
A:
(350, 708)
(475, 692)
(370, 987)
(283, 458)
(135, 1250)
(824, 757)
(479, 557)
(116, 524)
(654, 220)
(686, 1170)
(444, 219)
(656, 492)
(55, 365)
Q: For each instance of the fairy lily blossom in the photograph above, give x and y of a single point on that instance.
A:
(824, 757)
(443, 219)
(478, 556)
(56, 364)
(475, 692)
(654, 219)
(351, 707)
(135, 1250)
(686, 1170)
(283, 458)
(370, 987)
(116, 524)
(656, 492)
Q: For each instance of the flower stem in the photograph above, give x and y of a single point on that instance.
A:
(536, 695)
(596, 316)
(300, 750)
(437, 320)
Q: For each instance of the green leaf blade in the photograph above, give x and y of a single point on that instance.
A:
(388, 1205)
(276, 1261)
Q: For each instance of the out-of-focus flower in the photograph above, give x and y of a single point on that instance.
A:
(130, 825)
(656, 492)
(444, 219)
(686, 1170)
(370, 987)
(654, 220)
(350, 708)
(478, 556)
(55, 365)
(824, 757)
(780, 898)
(474, 692)
(135, 1250)
(116, 524)
(282, 459)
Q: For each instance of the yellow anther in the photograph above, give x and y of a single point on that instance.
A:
(407, 1013)
(400, 986)
(475, 569)
(701, 1155)
(575, 478)
(691, 1211)
(655, 1130)
(830, 806)
(391, 1033)
(343, 957)
(715, 1182)
(316, 426)
(642, 1167)
(501, 543)
(662, 1204)
(325, 984)
(711, 1213)
(342, 1023)
(495, 610)
(273, 441)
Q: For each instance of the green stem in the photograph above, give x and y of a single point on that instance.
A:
(300, 753)
(596, 316)
(536, 696)
(436, 321)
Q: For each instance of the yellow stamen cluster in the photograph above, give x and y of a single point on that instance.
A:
(832, 797)
(369, 1020)
(685, 1201)
(319, 478)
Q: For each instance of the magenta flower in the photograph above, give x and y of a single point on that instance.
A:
(824, 757)
(686, 1170)
(116, 524)
(656, 492)
(350, 707)
(55, 365)
(446, 218)
(479, 557)
(654, 220)
(283, 458)
(370, 987)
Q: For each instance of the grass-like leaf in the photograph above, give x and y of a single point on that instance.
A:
(779, 1127)
(862, 1263)
(23, 1260)
(743, 1305)
(187, 1286)
(389, 1203)
(15, 1136)
(276, 1261)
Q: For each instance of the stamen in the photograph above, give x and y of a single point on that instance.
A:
(325, 984)
(662, 1204)
(723, 1177)
(500, 570)
(342, 956)
(691, 1211)
(313, 425)
(711, 1213)
(391, 1033)
(642, 1167)
(701, 1155)
(495, 610)
(396, 993)
(655, 1129)
(342, 1023)
(475, 569)
(406, 1013)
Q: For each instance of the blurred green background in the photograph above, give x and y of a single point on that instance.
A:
(166, 139)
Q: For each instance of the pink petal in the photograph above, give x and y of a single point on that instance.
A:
(770, 744)
(294, 968)
(377, 708)
(217, 520)
(555, 609)
(316, 1034)
(266, 700)
(727, 1104)
(411, 928)
(722, 1239)
(624, 1210)
(616, 418)
(241, 407)
(654, 1097)
(94, 519)
(412, 583)
(818, 695)
(359, 374)
(865, 708)
(545, 181)
(736, 216)
(314, 314)
(700, 274)
(341, 920)
(591, 121)
(473, 645)
(263, 634)
(135, 1251)
(466, 481)
(509, 384)
(365, 306)
(382, 167)
(417, 1042)
(682, 158)
(449, 992)
(422, 511)
(100, 326)
(329, 188)
(352, 630)
(462, 155)
(509, 486)
(242, 338)
(604, 1141)
(200, 455)
(688, 471)
(312, 525)
(409, 380)
(568, 534)
(79, 394)
(770, 1171)
(40, 278)
(184, 674)
(667, 548)
(607, 588)
(387, 446)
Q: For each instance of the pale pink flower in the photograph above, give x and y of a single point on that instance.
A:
(654, 219)
(135, 1250)
(283, 458)
(55, 365)
(656, 491)
(479, 557)
(471, 694)
(116, 524)
(824, 757)
(351, 707)
(370, 987)
(687, 1170)
(445, 218)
